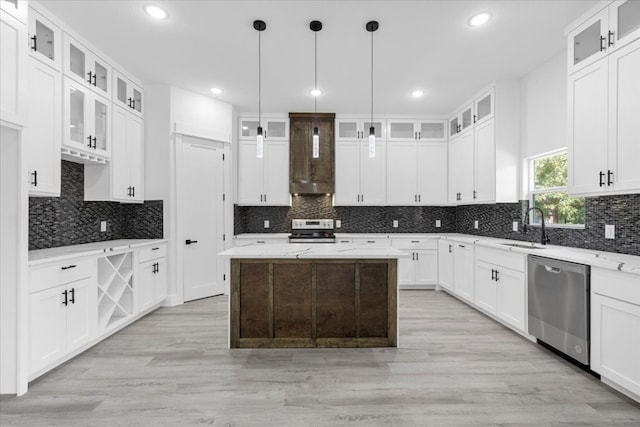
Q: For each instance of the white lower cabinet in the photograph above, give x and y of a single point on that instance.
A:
(463, 268)
(62, 318)
(615, 322)
(152, 276)
(421, 270)
(500, 285)
(445, 264)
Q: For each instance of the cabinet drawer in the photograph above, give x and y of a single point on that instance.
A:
(615, 284)
(376, 243)
(418, 243)
(150, 252)
(51, 275)
(507, 259)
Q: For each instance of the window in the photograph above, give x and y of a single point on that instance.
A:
(548, 191)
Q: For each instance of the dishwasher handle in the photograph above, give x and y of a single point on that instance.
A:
(554, 270)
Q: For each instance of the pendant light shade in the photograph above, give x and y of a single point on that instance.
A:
(259, 26)
(372, 26)
(315, 26)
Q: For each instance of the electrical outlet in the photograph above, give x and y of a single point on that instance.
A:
(515, 226)
(266, 223)
(609, 231)
(475, 224)
(103, 226)
(395, 223)
(438, 223)
(338, 223)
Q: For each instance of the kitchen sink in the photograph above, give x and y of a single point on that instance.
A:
(520, 245)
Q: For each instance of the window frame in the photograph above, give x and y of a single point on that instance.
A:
(533, 191)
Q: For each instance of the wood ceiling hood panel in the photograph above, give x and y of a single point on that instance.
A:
(306, 174)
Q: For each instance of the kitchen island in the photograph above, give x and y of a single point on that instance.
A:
(313, 295)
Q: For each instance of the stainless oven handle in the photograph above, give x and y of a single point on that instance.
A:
(554, 270)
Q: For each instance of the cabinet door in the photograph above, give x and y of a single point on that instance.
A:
(426, 265)
(463, 264)
(276, 173)
(588, 100)
(402, 173)
(483, 107)
(248, 128)
(347, 130)
(146, 283)
(119, 165)
(82, 312)
(45, 40)
(445, 264)
(121, 90)
(373, 174)
(407, 270)
(400, 130)
(454, 126)
(160, 282)
(624, 23)
(379, 129)
(76, 63)
(615, 350)
(624, 111)
(276, 129)
(250, 174)
(486, 292)
(101, 125)
(511, 297)
(588, 42)
(347, 172)
(43, 134)
(485, 162)
(47, 324)
(432, 130)
(432, 173)
(77, 110)
(13, 70)
(466, 118)
(135, 157)
(136, 99)
(461, 169)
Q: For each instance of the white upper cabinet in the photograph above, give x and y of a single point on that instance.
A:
(127, 94)
(274, 129)
(87, 120)
(607, 30)
(13, 70)
(85, 67)
(45, 40)
(358, 129)
(263, 181)
(416, 130)
(42, 135)
(432, 173)
(483, 107)
(16, 8)
(461, 169)
(461, 121)
(360, 179)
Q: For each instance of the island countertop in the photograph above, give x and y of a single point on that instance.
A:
(314, 251)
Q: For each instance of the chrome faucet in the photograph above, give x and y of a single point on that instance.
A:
(544, 239)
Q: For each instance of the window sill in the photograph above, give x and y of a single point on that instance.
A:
(568, 226)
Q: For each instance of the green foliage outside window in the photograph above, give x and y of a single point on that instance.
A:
(550, 173)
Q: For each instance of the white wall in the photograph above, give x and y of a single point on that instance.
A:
(544, 107)
(201, 112)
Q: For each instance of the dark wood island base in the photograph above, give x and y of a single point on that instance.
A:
(276, 303)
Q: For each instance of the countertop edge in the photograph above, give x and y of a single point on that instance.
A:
(45, 256)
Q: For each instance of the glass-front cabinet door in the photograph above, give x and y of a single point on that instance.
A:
(432, 130)
(483, 107)
(401, 130)
(126, 93)
(624, 23)
(136, 95)
(466, 118)
(44, 40)
(76, 112)
(100, 116)
(273, 129)
(454, 126)
(347, 129)
(588, 42)
(85, 67)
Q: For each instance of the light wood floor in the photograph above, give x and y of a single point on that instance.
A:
(454, 367)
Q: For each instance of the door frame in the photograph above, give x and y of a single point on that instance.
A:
(210, 138)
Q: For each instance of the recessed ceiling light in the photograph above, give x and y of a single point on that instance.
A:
(245, 127)
(216, 90)
(155, 12)
(315, 92)
(480, 19)
(417, 93)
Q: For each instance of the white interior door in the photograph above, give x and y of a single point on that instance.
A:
(202, 220)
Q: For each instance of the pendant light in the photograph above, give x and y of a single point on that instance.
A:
(371, 27)
(315, 26)
(259, 26)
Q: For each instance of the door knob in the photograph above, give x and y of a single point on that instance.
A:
(190, 242)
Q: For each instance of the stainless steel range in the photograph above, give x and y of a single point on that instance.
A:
(312, 231)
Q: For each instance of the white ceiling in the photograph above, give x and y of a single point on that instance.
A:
(424, 45)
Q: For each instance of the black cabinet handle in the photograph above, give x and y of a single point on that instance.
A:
(89, 79)
(66, 297)
(474, 194)
(68, 267)
(129, 191)
(419, 198)
(415, 198)
(419, 135)
(610, 37)
(609, 178)
(130, 102)
(417, 256)
(601, 177)
(133, 191)
(603, 45)
(462, 246)
(73, 296)
(133, 104)
(90, 140)
(154, 249)
(493, 274)
(497, 278)
(450, 248)
(190, 242)
(459, 128)
(475, 118)
(265, 198)
(95, 142)
(415, 241)
(35, 178)
(413, 256)
(94, 80)
(34, 45)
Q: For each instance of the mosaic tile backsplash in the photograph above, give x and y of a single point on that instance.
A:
(494, 220)
(69, 220)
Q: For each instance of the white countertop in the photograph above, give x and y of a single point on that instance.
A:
(313, 250)
(42, 256)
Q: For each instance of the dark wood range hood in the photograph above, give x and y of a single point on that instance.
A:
(306, 174)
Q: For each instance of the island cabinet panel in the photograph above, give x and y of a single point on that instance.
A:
(292, 300)
(313, 303)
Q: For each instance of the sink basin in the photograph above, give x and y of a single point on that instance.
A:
(523, 246)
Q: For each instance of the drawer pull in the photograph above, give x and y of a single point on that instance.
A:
(68, 267)
(154, 249)
(415, 241)
(371, 241)
(260, 241)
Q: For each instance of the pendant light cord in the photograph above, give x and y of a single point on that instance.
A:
(259, 80)
(315, 98)
(371, 124)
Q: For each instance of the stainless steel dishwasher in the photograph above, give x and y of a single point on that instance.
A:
(559, 305)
